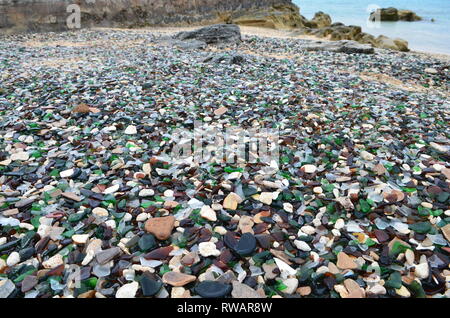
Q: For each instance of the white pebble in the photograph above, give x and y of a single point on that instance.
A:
(100, 212)
(13, 259)
(80, 238)
(142, 217)
(301, 245)
(53, 261)
(221, 230)
(168, 193)
(207, 213)
(291, 285)
(208, 249)
(66, 173)
(307, 229)
(288, 207)
(112, 189)
(340, 223)
(146, 192)
(26, 226)
(309, 168)
(127, 290)
(367, 156)
(131, 130)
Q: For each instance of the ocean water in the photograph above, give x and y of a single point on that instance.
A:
(425, 36)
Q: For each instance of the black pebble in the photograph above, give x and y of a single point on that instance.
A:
(147, 242)
(246, 245)
(26, 253)
(149, 286)
(211, 289)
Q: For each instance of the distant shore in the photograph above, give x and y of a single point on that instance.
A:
(264, 32)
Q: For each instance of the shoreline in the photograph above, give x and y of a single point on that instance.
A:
(263, 32)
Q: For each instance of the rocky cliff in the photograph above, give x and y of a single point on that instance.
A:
(52, 15)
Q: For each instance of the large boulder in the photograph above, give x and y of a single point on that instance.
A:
(384, 14)
(408, 15)
(213, 34)
(384, 42)
(344, 32)
(367, 38)
(225, 58)
(321, 19)
(393, 14)
(402, 45)
(186, 45)
(339, 32)
(345, 46)
(282, 15)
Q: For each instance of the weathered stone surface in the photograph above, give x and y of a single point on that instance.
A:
(344, 46)
(322, 27)
(185, 45)
(46, 15)
(345, 262)
(127, 290)
(321, 19)
(243, 291)
(178, 279)
(446, 231)
(408, 15)
(278, 15)
(160, 227)
(105, 256)
(225, 59)
(393, 14)
(385, 42)
(385, 14)
(213, 34)
(6, 288)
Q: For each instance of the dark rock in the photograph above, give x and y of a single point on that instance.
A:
(226, 59)
(191, 45)
(133, 241)
(381, 236)
(230, 240)
(105, 256)
(24, 202)
(385, 14)
(26, 253)
(186, 44)
(214, 34)
(211, 289)
(408, 15)
(246, 245)
(28, 283)
(159, 254)
(264, 240)
(147, 242)
(149, 286)
(393, 14)
(7, 246)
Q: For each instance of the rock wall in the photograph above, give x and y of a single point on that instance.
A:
(52, 15)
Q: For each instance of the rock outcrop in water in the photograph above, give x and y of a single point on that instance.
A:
(393, 14)
(321, 26)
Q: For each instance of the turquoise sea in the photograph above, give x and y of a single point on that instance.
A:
(426, 36)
